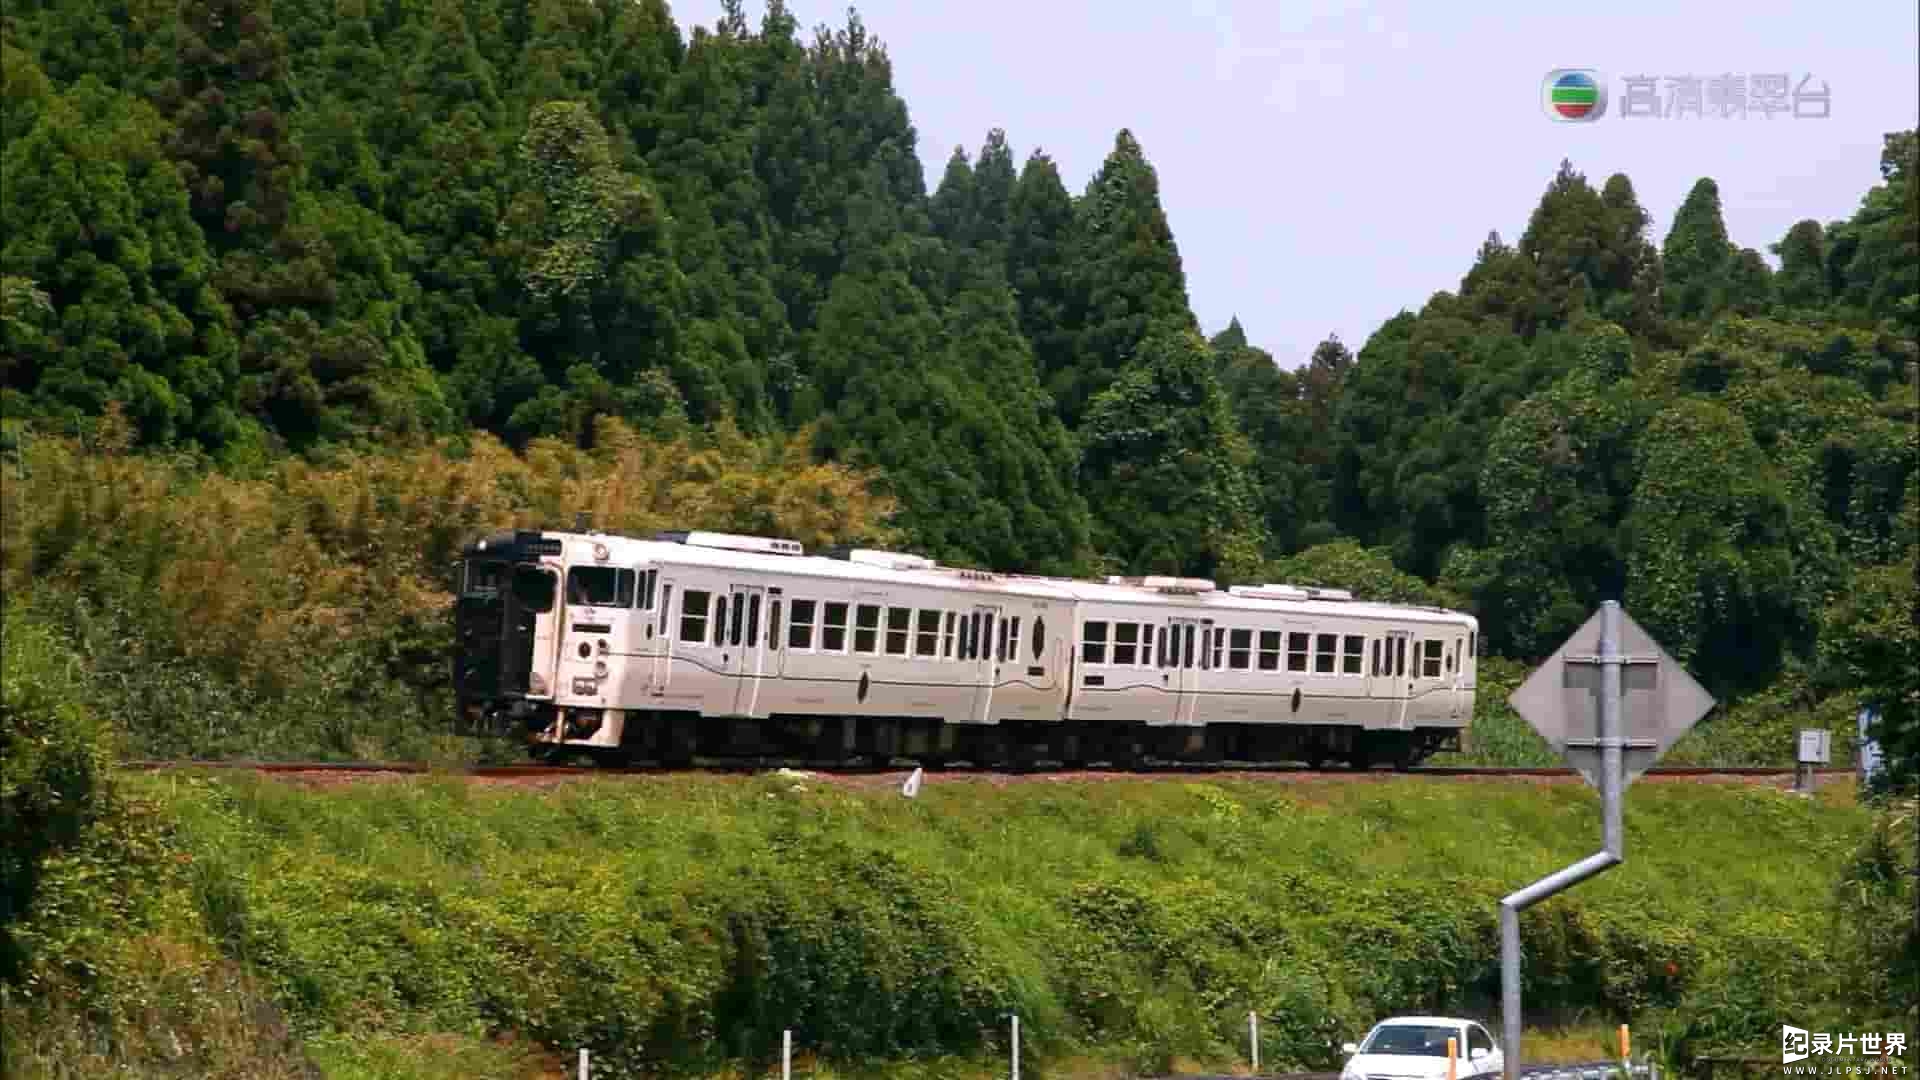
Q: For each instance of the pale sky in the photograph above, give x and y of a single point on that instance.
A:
(1325, 165)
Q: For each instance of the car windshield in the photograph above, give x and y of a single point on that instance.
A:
(1417, 1039)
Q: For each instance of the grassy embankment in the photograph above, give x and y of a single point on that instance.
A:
(435, 927)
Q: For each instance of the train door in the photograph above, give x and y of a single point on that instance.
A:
(665, 619)
(1456, 674)
(977, 645)
(536, 592)
(745, 655)
(1187, 648)
(1399, 644)
(1427, 678)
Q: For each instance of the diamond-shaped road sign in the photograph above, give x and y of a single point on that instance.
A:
(1659, 701)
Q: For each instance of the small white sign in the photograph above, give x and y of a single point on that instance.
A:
(1816, 746)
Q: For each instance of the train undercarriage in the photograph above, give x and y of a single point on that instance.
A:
(679, 738)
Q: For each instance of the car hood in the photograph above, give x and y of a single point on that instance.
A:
(1403, 1065)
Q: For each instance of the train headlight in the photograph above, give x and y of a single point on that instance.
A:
(599, 669)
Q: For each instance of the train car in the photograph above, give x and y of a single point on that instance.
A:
(713, 644)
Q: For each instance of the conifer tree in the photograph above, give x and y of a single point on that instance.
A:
(1126, 269)
(1696, 255)
(1166, 469)
(1040, 269)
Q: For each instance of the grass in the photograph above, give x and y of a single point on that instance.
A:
(684, 922)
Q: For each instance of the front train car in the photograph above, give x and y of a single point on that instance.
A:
(509, 583)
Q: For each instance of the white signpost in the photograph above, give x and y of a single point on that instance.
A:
(1611, 702)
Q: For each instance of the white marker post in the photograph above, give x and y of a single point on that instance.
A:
(786, 1054)
(583, 1063)
(1016, 1047)
(1253, 1037)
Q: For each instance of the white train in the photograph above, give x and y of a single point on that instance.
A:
(714, 644)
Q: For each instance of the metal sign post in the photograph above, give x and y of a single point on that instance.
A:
(1609, 662)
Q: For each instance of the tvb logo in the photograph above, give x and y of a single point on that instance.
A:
(1793, 1043)
(1574, 95)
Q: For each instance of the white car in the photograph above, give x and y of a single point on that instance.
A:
(1415, 1048)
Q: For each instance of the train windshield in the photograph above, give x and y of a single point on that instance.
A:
(484, 579)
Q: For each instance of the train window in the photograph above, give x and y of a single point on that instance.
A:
(739, 614)
(1006, 629)
(970, 636)
(985, 649)
(720, 619)
(666, 607)
(1240, 649)
(1453, 650)
(648, 580)
(1013, 638)
(533, 590)
(753, 620)
(1093, 643)
(1269, 650)
(1187, 638)
(927, 641)
(899, 630)
(773, 624)
(1472, 642)
(1400, 656)
(1379, 657)
(1218, 635)
(483, 578)
(1297, 652)
(833, 629)
(1146, 645)
(1126, 643)
(1039, 635)
(598, 586)
(1324, 648)
(693, 616)
(946, 636)
(1168, 657)
(1353, 649)
(866, 629)
(800, 629)
(1430, 663)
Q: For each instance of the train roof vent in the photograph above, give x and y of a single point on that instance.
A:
(1269, 592)
(1160, 583)
(892, 560)
(765, 545)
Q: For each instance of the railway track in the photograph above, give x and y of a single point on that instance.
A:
(534, 770)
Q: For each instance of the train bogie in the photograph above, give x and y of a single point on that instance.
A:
(696, 643)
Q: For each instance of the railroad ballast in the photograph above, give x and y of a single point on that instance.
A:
(715, 644)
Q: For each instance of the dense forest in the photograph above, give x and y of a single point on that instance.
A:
(243, 236)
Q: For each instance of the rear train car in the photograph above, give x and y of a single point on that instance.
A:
(716, 645)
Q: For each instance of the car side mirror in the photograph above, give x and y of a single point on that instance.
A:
(1350, 1048)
